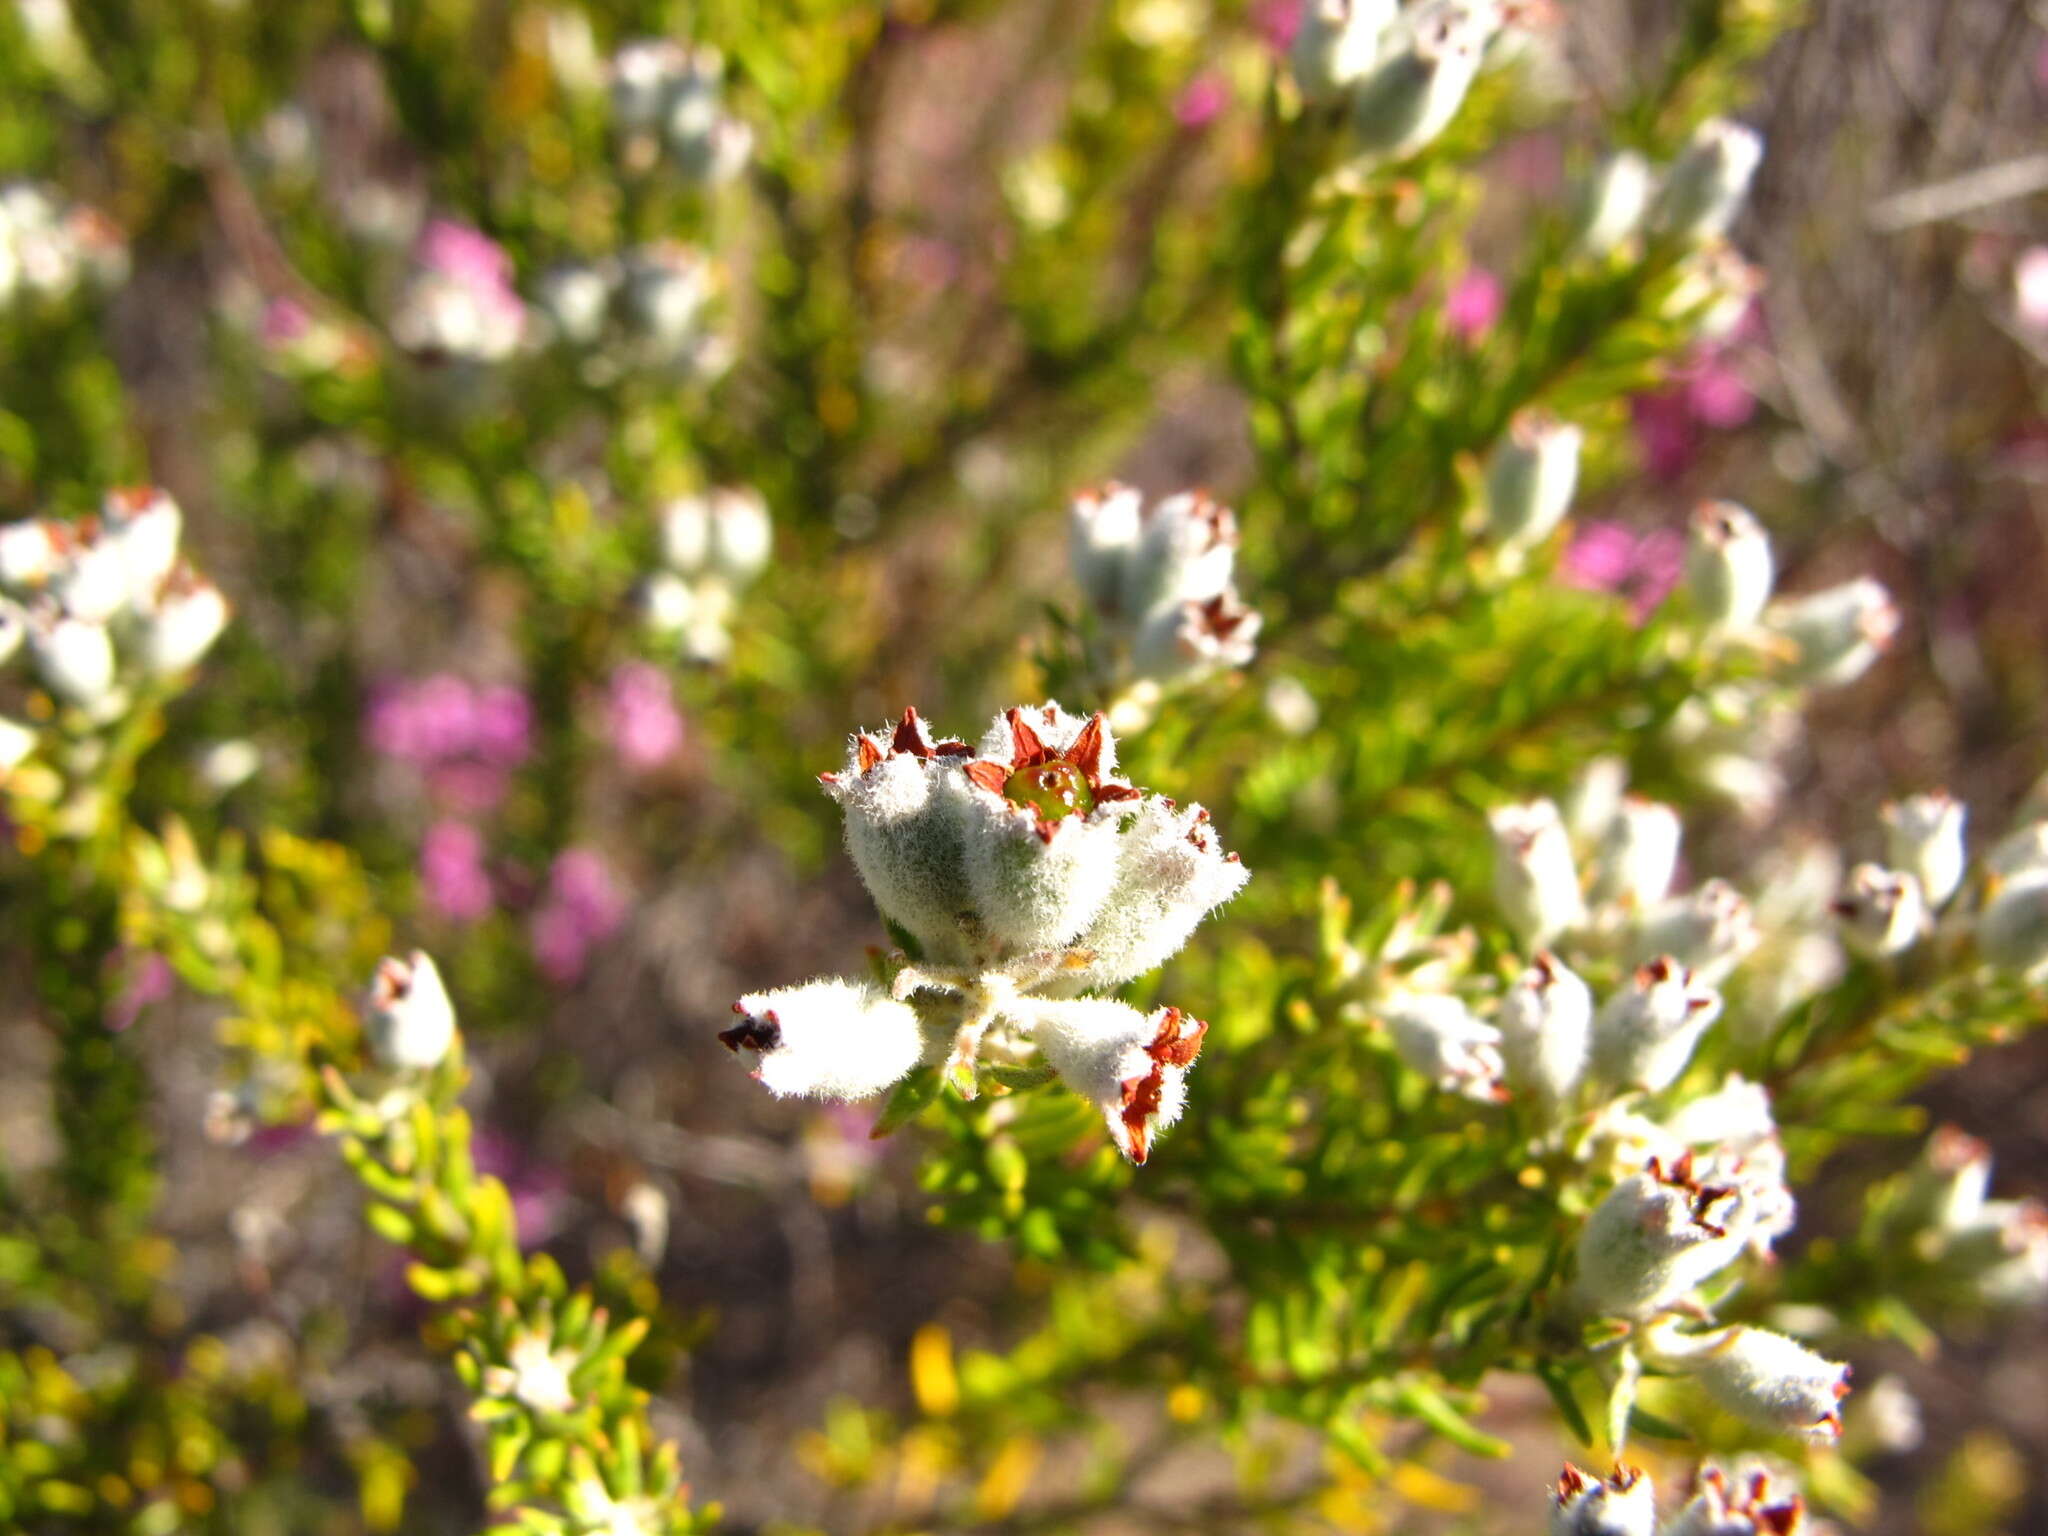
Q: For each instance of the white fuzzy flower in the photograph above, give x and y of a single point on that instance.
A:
(1336, 43)
(1431, 59)
(1639, 855)
(144, 525)
(828, 1039)
(1195, 641)
(1438, 1036)
(1531, 478)
(1624, 1504)
(74, 658)
(189, 617)
(29, 554)
(1761, 1376)
(576, 299)
(1655, 1238)
(1646, 1033)
(2012, 930)
(1738, 1114)
(90, 582)
(1742, 1503)
(1882, 912)
(1102, 542)
(1728, 566)
(1706, 185)
(1613, 201)
(1534, 879)
(409, 1021)
(1712, 930)
(1924, 838)
(1185, 552)
(1837, 634)
(1131, 1066)
(1546, 1028)
(535, 1373)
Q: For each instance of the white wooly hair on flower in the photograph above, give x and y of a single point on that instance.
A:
(1740, 1502)
(1729, 569)
(2012, 930)
(92, 582)
(905, 836)
(144, 524)
(1762, 1376)
(1187, 643)
(1738, 1113)
(1712, 930)
(1102, 538)
(1546, 1031)
(409, 1020)
(1624, 1504)
(1037, 883)
(1924, 836)
(1337, 42)
(1882, 910)
(1132, 1066)
(827, 1039)
(1836, 634)
(1439, 1037)
(1639, 855)
(1171, 873)
(1657, 1236)
(1534, 878)
(1646, 1033)
(1186, 551)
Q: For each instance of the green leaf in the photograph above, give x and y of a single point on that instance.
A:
(908, 1098)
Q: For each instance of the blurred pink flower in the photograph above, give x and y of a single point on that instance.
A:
(467, 255)
(1611, 557)
(1474, 304)
(503, 725)
(1671, 423)
(146, 978)
(1202, 99)
(1277, 21)
(2030, 289)
(285, 321)
(442, 719)
(458, 886)
(582, 908)
(465, 787)
(646, 730)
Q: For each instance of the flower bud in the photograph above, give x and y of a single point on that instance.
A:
(1102, 541)
(1533, 876)
(742, 535)
(16, 742)
(2001, 1256)
(1419, 84)
(188, 619)
(410, 1023)
(665, 290)
(827, 1039)
(2012, 930)
(1624, 1504)
(1657, 1236)
(1764, 1377)
(29, 554)
(1546, 1031)
(1646, 1033)
(1638, 856)
(1882, 912)
(1613, 201)
(1728, 566)
(704, 142)
(1737, 1114)
(1131, 1066)
(1171, 873)
(1438, 1037)
(1712, 289)
(1836, 634)
(1706, 185)
(1741, 1505)
(2020, 851)
(74, 658)
(144, 524)
(1186, 549)
(1336, 43)
(1711, 931)
(1944, 1191)
(1924, 838)
(91, 583)
(1195, 641)
(1530, 479)
(576, 298)
(641, 72)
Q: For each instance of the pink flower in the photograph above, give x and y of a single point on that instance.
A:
(1671, 423)
(441, 720)
(285, 321)
(147, 979)
(458, 886)
(1474, 304)
(1611, 557)
(467, 255)
(582, 908)
(646, 730)
(503, 726)
(1201, 100)
(2030, 289)
(1277, 21)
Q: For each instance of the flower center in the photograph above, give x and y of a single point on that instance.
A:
(1053, 790)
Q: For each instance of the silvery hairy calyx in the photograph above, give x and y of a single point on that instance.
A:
(1022, 879)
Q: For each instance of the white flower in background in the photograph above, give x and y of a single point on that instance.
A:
(1655, 1238)
(826, 1039)
(1761, 1376)
(1711, 930)
(1196, 641)
(409, 1020)
(1438, 1036)
(1531, 478)
(29, 554)
(1595, 800)
(1638, 857)
(1709, 181)
(1728, 568)
(1431, 58)
(143, 525)
(47, 247)
(668, 101)
(13, 629)
(1924, 838)
(1836, 635)
(1132, 1066)
(1534, 878)
(1613, 201)
(2019, 852)
(458, 302)
(1882, 912)
(1337, 42)
(713, 544)
(2012, 930)
(189, 617)
(1741, 1503)
(1645, 1034)
(1712, 289)
(74, 658)
(1624, 1504)
(17, 741)
(667, 293)
(90, 581)
(1546, 1031)
(576, 300)
(535, 1373)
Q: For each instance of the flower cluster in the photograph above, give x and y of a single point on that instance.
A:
(1159, 580)
(465, 739)
(48, 248)
(1743, 1501)
(1018, 875)
(105, 609)
(713, 544)
(458, 303)
(668, 108)
(1954, 1241)
(651, 309)
(1399, 76)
